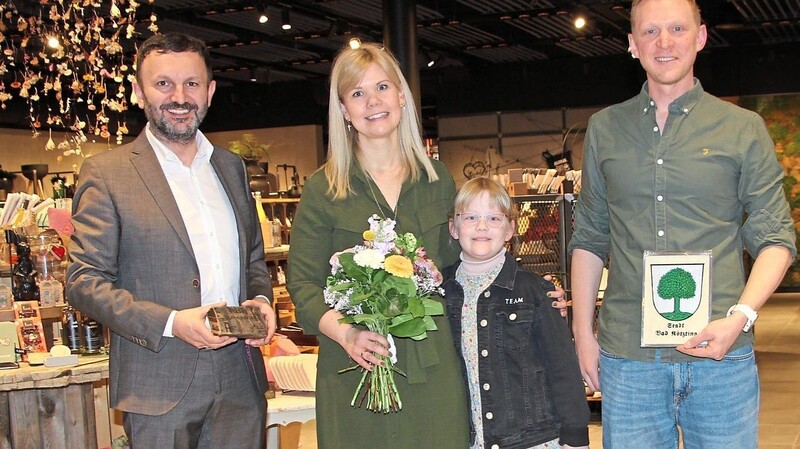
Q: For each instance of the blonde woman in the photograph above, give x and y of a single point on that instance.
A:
(376, 165)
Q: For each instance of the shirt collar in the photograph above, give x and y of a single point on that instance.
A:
(164, 154)
(682, 105)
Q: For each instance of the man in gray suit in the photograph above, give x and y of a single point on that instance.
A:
(165, 229)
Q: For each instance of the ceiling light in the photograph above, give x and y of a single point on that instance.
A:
(262, 13)
(52, 42)
(253, 77)
(432, 59)
(285, 24)
(580, 22)
(355, 43)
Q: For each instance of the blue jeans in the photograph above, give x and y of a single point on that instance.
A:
(714, 403)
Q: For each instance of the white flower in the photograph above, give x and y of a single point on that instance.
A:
(369, 258)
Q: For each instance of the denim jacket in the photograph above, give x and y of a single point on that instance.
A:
(531, 382)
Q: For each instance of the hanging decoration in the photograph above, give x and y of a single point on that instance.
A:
(71, 61)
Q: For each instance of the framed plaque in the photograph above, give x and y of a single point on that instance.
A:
(676, 299)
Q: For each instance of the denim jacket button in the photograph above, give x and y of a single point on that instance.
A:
(484, 323)
(484, 353)
(495, 446)
(489, 415)
(486, 387)
(486, 294)
(512, 317)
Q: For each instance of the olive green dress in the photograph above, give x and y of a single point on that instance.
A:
(434, 413)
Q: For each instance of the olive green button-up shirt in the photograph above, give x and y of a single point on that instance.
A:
(684, 188)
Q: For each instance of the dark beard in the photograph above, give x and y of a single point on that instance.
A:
(165, 129)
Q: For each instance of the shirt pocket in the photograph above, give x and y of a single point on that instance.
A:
(348, 230)
(513, 328)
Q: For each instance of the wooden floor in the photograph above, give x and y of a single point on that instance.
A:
(778, 358)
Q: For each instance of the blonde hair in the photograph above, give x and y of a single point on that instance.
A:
(348, 70)
(692, 3)
(498, 196)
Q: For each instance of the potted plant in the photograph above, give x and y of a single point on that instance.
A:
(249, 148)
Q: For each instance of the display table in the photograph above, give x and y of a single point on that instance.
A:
(60, 407)
(285, 408)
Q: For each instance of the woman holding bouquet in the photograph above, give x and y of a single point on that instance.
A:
(376, 165)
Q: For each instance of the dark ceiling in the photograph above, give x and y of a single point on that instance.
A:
(490, 54)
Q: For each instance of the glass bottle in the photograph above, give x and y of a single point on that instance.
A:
(276, 232)
(92, 333)
(266, 225)
(71, 329)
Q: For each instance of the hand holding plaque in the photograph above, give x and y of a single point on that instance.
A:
(239, 322)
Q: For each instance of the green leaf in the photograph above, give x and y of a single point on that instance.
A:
(341, 287)
(360, 297)
(409, 328)
(400, 319)
(429, 323)
(416, 307)
(433, 307)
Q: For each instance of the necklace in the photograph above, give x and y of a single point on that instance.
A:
(371, 181)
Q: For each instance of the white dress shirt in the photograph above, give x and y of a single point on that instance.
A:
(209, 219)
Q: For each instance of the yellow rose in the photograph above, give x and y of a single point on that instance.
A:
(399, 266)
(368, 235)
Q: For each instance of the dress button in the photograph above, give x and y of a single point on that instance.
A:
(484, 323)
(660, 161)
(484, 353)
(195, 283)
(652, 103)
(512, 317)
(686, 111)
(486, 294)
(661, 233)
(660, 198)
(655, 129)
(486, 387)
(489, 415)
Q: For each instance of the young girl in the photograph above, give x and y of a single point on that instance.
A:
(518, 358)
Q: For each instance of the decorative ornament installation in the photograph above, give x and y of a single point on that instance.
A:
(70, 62)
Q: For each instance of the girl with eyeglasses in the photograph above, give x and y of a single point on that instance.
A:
(517, 355)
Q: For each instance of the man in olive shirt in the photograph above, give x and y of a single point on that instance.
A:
(676, 169)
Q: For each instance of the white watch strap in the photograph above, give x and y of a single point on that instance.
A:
(748, 312)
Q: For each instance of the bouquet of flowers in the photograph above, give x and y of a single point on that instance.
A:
(385, 285)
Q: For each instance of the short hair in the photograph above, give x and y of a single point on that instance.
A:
(498, 196)
(173, 42)
(348, 70)
(692, 3)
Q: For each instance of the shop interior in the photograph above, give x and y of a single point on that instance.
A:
(504, 89)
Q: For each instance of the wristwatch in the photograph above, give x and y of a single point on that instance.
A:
(747, 311)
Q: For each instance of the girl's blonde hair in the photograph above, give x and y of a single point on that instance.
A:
(348, 71)
(498, 196)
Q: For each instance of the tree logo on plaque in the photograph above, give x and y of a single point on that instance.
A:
(677, 292)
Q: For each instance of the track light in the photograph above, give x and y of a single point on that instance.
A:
(285, 24)
(253, 77)
(355, 43)
(262, 13)
(431, 57)
(580, 22)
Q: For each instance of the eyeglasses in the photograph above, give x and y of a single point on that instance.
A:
(471, 220)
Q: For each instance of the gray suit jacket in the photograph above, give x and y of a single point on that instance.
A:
(133, 263)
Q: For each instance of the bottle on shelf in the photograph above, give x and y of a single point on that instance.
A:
(276, 232)
(92, 336)
(266, 224)
(71, 329)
